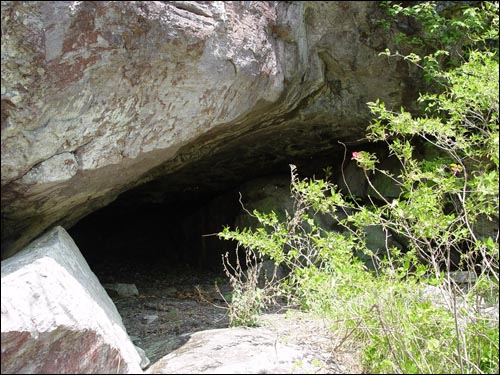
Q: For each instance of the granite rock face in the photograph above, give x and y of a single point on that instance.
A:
(99, 97)
(56, 316)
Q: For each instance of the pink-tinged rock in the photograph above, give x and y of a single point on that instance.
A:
(56, 317)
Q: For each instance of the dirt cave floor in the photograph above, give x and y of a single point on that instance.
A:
(176, 302)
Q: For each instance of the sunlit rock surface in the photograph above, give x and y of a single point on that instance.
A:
(56, 316)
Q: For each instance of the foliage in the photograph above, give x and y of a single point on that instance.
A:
(246, 300)
(444, 34)
(249, 295)
(448, 182)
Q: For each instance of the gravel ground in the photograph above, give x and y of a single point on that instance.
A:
(176, 301)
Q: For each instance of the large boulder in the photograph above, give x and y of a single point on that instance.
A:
(99, 97)
(239, 350)
(56, 317)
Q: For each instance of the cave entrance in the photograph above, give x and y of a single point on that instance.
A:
(171, 222)
(160, 236)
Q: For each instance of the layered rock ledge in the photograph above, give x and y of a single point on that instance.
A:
(101, 97)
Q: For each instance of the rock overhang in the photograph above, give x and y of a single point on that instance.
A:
(99, 98)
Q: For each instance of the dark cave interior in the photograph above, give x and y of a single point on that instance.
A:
(171, 222)
(172, 234)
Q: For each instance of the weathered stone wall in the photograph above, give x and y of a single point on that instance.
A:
(98, 97)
